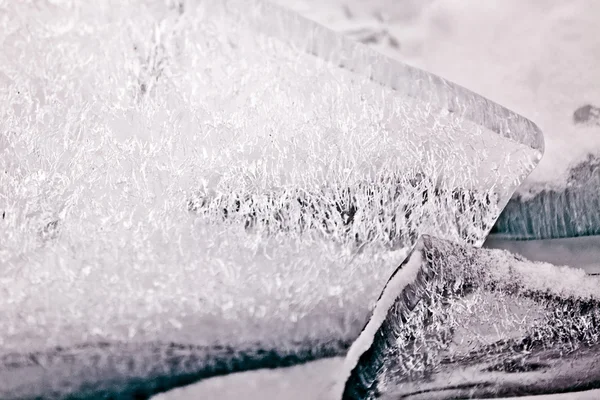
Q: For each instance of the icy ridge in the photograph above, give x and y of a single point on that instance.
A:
(114, 114)
(409, 81)
(435, 339)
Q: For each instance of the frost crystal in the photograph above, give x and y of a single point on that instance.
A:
(459, 322)
(205, 172)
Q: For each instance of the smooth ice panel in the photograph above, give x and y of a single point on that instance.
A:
(191, 189)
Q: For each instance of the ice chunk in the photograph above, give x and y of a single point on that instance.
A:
(587, 115)
(115, 114)
(460, 166)
(563, 95)
(556, 211)
(455, 321)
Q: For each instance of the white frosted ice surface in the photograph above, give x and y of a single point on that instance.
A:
(478, 322)
(512, 306)
(537, 58)
(126, 126)
(101, 151)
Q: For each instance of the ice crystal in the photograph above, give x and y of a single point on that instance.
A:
(206, 173)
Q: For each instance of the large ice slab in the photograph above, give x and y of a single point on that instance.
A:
(465, 175)
(460, 41)
(115, 116)
(455, 321)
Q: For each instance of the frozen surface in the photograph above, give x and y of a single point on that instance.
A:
(537, 58)
(477, 323)
(309, 381)
(482, 329)
(191, 189)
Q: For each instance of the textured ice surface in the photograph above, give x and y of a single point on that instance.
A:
(119, 119)
(480, 318)
(308, 381)
(569, 211)
(578, 252)
(468, 42)
(461, 322)
(557, 85)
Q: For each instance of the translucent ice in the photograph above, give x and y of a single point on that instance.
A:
(577, 252)
(224, 175)
(556, 211)
(455, 321)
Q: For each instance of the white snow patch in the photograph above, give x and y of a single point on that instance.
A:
(311, 381)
